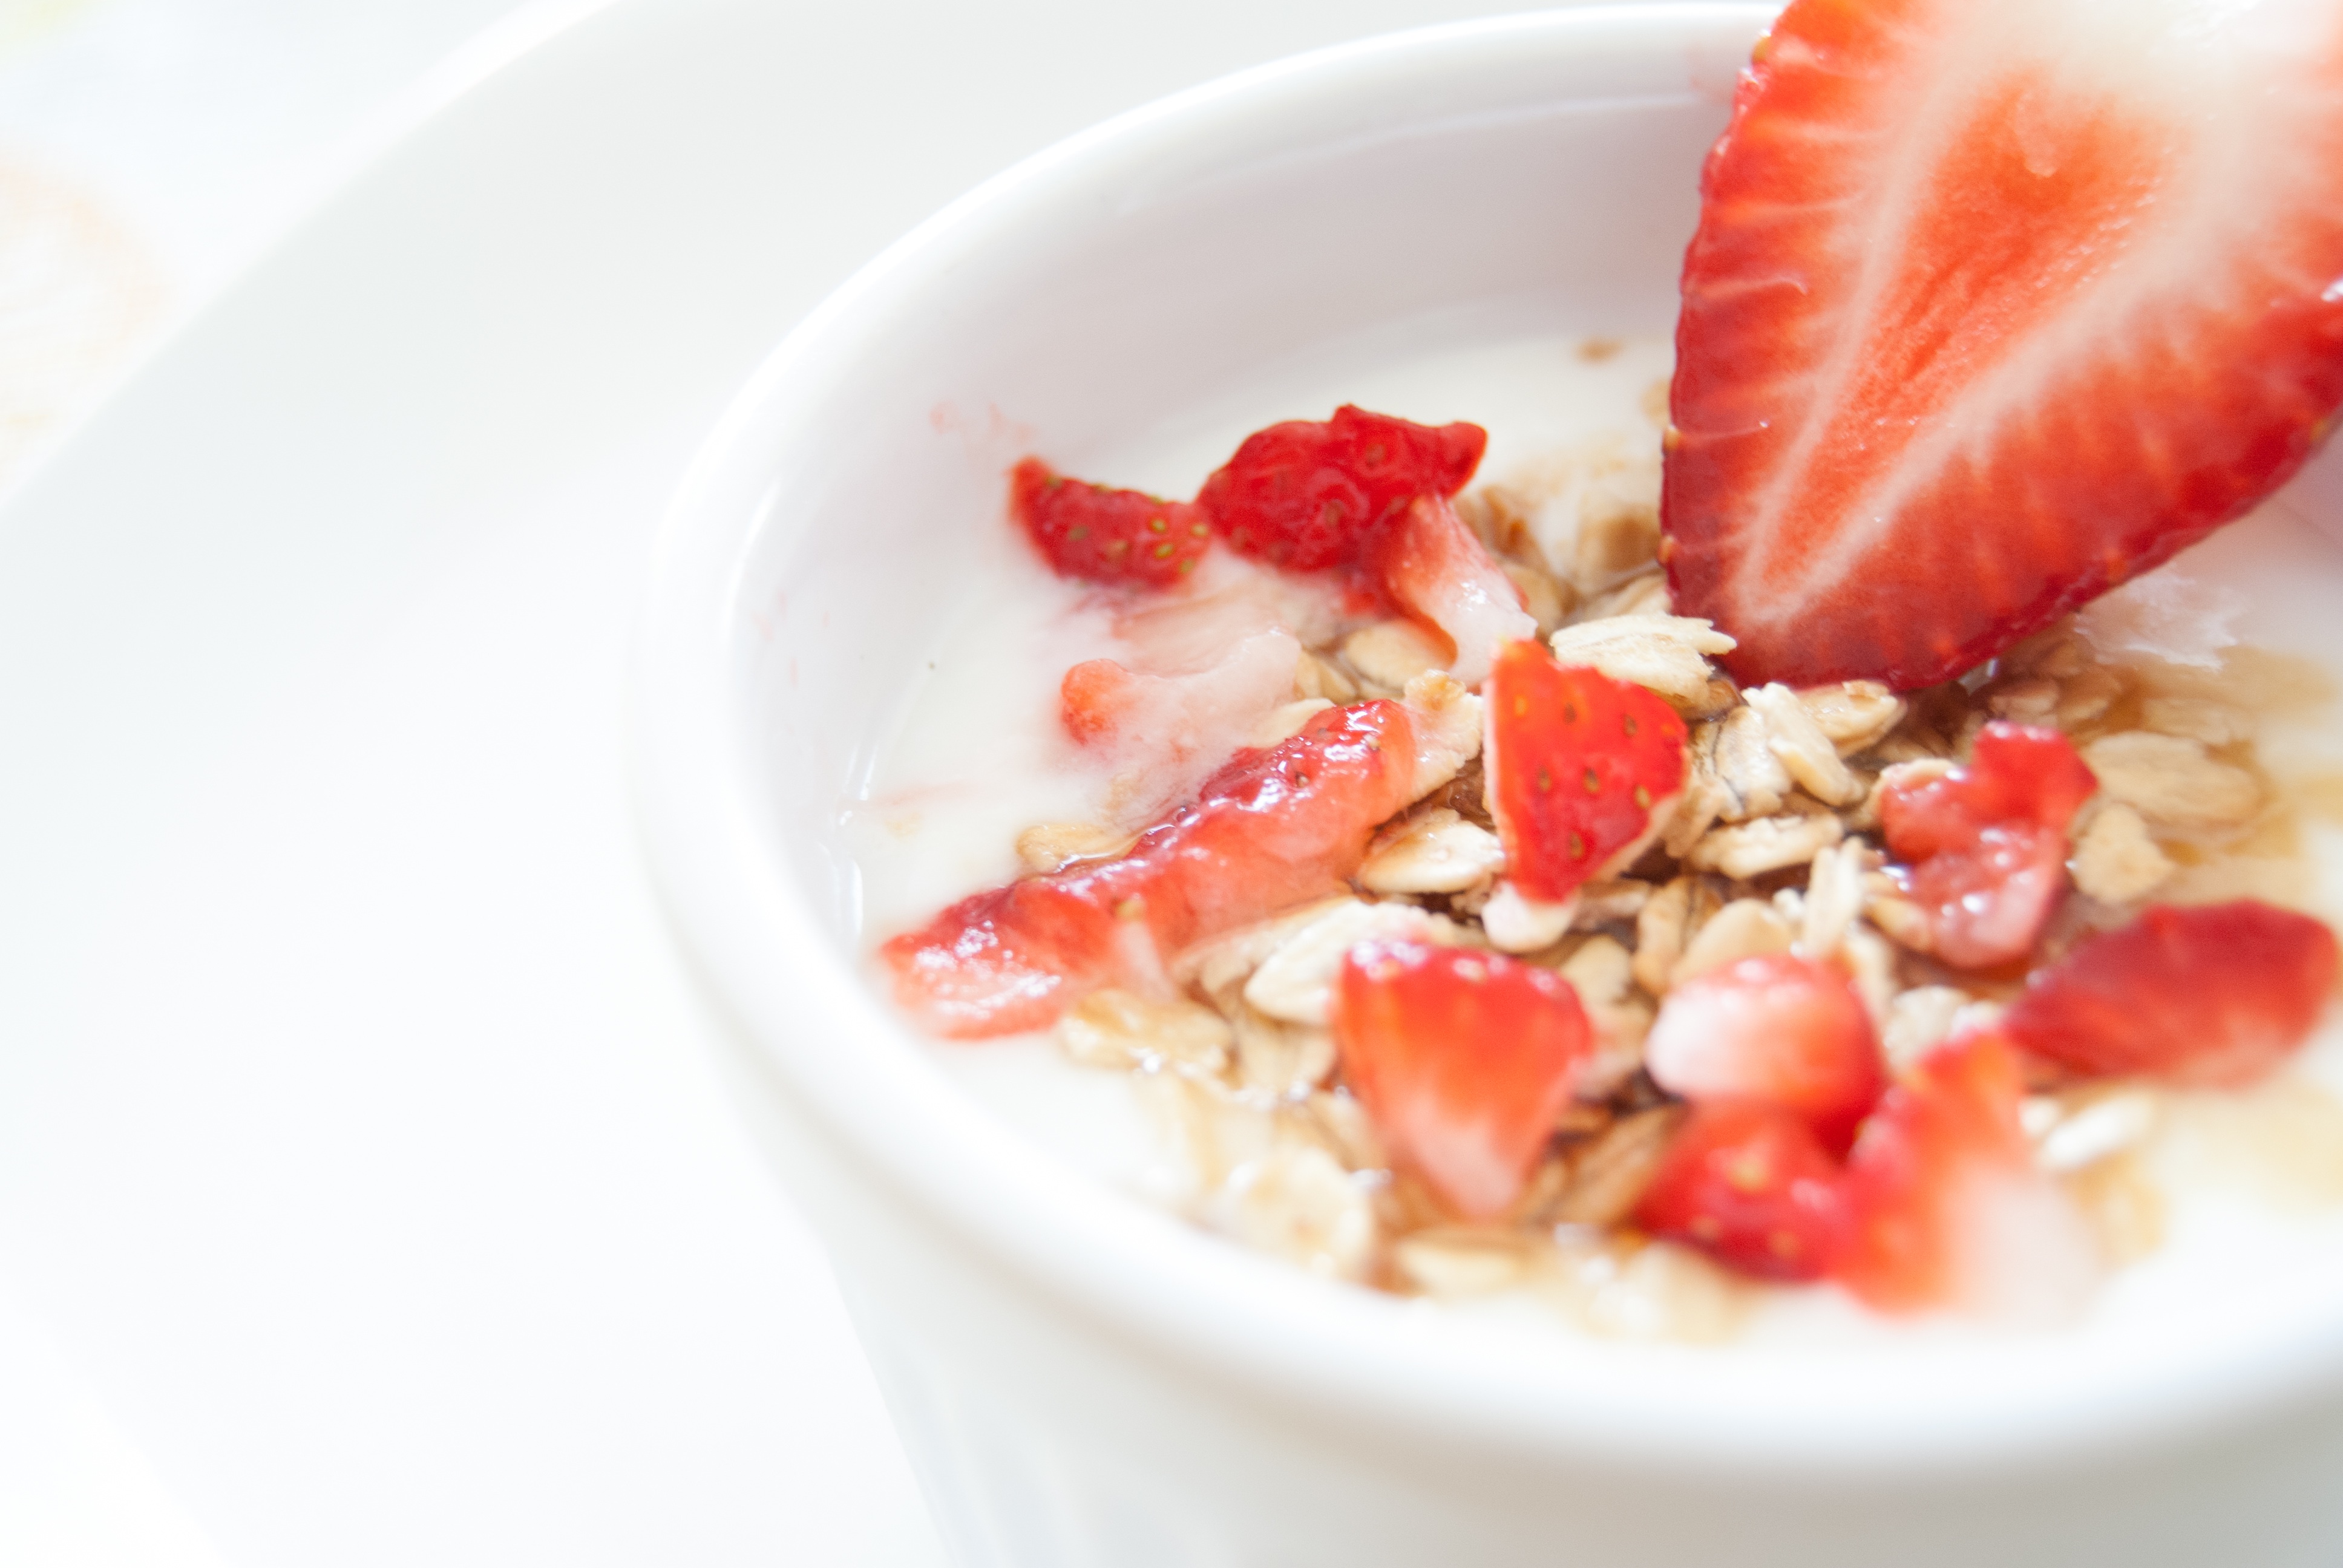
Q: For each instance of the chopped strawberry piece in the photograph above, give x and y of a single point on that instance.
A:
(1779, 1030)
(1990, 308)
(1581, 769)
(1095, 698)
(2016, 774)
(1279, 827)
(1986, 843)
(1945, 1208)
(1106, 536)
(2211, 996)
(1307, 495)
(1749, 1185)
(1270, 829)
(1011, 959)
(1464, 1060)
(1434, 567)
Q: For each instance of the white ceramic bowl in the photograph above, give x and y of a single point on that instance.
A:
(1081, 1383)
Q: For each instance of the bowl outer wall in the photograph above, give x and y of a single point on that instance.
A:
(764, 900)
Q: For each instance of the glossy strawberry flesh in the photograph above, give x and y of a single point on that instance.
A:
(1986, 905)
(1945, 1208)
(2016, 773)
(1985, 847)
(1778, 1031)
(1435, 569)
(1308, 495)
(1011, 959)
(1095, 698)
(2215, 995)
(1270, 829)
(1995, 304)
(1750, 1185)
(1278, 827)
(1462, 1059)
(1105, 536)
(1577, 765)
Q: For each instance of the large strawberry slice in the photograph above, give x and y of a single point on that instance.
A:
(1778, 1030)
(2214, 995)
(1993, 305)
(1462, 1059)
(1945, 1208)
(1580, 768)
(1306, 495)
(1985, 844)
(1270, 829)
(1102, 535)
(1749, 1185)
(1434, 567)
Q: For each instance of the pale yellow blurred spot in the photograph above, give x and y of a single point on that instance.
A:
(77, 290)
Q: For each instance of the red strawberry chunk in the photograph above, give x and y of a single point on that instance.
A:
(2214, 995)
(1988, 905)
(1945, 1208)
(1434, 567)
(1462, 1059)
(1308, 495)
(1106, 536)
(1011, 959)
(1581, 769)
(1279, 827)
(2016, 773)
(1095, 698)
(1990, 308)
(1779, 1030)
(1987, 844)
(1748, 1184)
(1270, 829)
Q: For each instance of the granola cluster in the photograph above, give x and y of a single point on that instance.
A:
(1774, 846)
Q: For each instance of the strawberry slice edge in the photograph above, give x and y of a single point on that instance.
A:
(1961, 348)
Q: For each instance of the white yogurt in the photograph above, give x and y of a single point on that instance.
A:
(977, 755)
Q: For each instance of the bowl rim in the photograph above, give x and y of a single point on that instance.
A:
(1257, 1326)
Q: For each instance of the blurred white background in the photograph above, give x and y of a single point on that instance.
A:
(149, 146)
(150, 150)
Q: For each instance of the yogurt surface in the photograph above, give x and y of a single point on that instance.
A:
(2252, 1181)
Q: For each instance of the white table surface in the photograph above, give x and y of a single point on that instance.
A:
(365, 1193)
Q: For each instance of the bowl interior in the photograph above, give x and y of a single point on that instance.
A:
(1533, 175)
(1538, 189)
